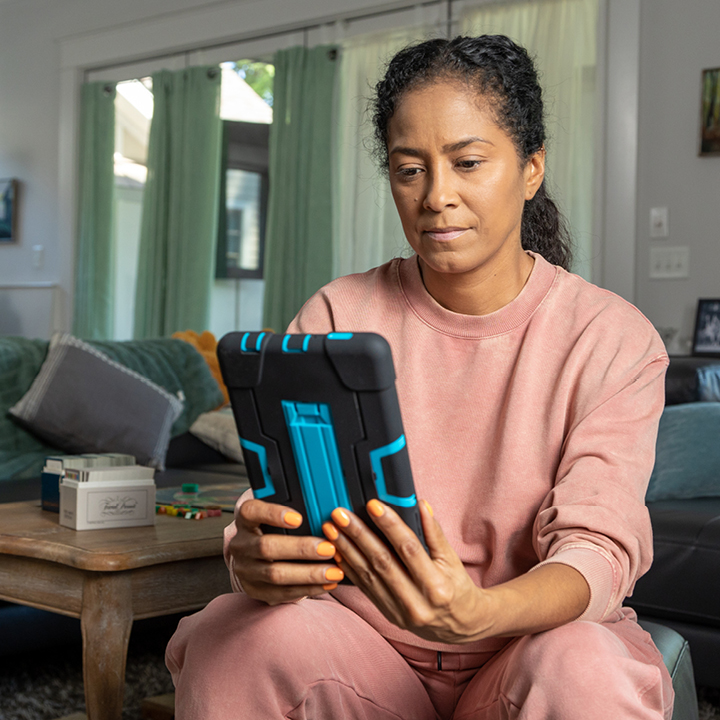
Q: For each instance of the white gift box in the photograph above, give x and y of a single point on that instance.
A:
(92, 505)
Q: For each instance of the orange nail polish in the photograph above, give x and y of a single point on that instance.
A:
(429, 509)
(338, 558)
(331, 532)
(375, 508)
(334, 574)
(340, 516)
(331, 586)
(292, 518)
(326, 549)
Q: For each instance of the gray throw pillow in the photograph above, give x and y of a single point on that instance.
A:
(81, 401)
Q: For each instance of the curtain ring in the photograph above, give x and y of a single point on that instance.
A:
(332, 54)
(107, 90)
(212, 73)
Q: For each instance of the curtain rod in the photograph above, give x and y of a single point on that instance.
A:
(279, 33)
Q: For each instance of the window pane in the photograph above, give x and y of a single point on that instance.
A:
(243, 219)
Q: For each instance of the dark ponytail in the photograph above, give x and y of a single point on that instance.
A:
(504, 73)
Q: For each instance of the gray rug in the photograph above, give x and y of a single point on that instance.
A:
(48, 684)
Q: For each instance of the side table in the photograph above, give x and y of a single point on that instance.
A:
(108, 578)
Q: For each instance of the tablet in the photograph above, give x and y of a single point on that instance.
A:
(319, 424)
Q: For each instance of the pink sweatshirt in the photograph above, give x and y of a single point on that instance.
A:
(531, 431)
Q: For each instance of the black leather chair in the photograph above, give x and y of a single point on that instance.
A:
(676, 654)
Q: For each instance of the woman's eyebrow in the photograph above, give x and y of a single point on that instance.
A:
(451, 147)
(454, 147)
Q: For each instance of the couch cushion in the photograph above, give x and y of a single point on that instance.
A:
(683, 581)
(20, 362)
(687, 460)
(708, 380)
(174, 365)
(681, 380)
(82, 401)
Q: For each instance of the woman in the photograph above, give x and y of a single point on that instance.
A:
(530, 400)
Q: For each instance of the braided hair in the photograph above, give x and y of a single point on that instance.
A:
(501, 71)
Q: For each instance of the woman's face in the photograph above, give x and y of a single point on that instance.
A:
(458, 184)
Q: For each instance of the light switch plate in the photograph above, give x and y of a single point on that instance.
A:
(669, 262)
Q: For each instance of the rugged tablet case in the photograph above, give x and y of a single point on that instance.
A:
(319, 423)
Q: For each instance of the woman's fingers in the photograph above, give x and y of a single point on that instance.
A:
(291, 573)
(275, 567)
(375, 568)
(254, 513)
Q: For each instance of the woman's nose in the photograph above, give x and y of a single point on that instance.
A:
(441, 191)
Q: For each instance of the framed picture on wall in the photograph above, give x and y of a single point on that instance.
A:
(706, 340)
(8, 211)
(710, 113)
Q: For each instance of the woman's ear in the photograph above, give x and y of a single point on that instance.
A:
(534, 173)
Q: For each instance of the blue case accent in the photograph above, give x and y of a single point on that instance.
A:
(260, 451)
(258, 342)
(285, 347)
(317, 460)
(306, 342)
(376, 457)
(339, 336)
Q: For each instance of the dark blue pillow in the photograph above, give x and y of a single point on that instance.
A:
(687, 461)
(708, 383)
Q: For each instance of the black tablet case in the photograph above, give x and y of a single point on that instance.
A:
(319, 423)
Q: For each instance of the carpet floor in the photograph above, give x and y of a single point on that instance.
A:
(47, 684)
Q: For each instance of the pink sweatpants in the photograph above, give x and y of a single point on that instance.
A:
(317, 660)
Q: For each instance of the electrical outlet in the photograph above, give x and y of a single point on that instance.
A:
(669, 262)
(659, 226)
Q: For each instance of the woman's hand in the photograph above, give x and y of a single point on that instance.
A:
(279, 568)
(431, 595)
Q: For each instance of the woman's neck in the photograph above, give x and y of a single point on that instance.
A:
(482, 291)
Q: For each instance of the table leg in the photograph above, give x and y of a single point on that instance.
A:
(106, 622)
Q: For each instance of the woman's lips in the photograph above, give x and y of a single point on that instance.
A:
(445, 234)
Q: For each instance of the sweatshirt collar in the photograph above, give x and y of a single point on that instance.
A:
(507, 318)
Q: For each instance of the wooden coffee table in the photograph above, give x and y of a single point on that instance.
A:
(108, 578)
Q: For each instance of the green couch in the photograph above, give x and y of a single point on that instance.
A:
(173, 364)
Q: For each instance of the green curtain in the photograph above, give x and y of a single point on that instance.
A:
(298, 242)
(180, 206)
(94, 273)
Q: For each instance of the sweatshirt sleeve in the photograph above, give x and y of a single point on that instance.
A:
(594, 519)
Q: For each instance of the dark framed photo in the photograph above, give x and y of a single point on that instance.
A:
(706, 340)
(710, 113)
(8, 211)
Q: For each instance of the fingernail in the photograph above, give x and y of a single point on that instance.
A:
(334, 574)
(375, 508)
(340, 516)
(338, 558)
(331, 586)
(292, 518)
(326, 549)
(429, 509)
(331, 532)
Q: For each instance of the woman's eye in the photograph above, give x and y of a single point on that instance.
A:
(409, 172)
(469, 164)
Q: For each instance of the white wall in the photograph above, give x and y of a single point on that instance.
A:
(678, 41)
